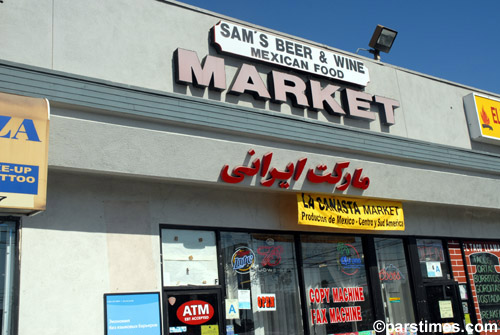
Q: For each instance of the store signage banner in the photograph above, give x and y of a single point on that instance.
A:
(483, 260)
(251, 43)
(349, 213)
(270, 174)
(281, 87)
(24, 144)
(131, 314)
(483, 114)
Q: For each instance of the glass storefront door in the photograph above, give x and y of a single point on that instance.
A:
(336, 285)
(444, 308)
(394, 280)
(438, 299)
(261, 275)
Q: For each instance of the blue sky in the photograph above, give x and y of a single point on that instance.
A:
(454, 40)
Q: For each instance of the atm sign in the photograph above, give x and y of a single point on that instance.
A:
(195, 312)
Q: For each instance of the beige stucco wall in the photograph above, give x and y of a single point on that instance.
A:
(133, 42)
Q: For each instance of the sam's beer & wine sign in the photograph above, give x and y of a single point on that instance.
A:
(264, 47)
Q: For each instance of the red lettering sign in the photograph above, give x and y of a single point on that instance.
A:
(390, 273)
(319, 295)
(195, 312)
(494, 114)
(272, 255)
(292, 172)
(266, 302)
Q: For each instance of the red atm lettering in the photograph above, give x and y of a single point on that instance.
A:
(195, 312)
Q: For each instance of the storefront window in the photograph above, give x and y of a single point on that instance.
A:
(262, 279)
(432, 261)
(336, 285)
(7, 257)
(189, 257)
(394, 280)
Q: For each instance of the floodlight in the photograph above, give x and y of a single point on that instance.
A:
(382, 40)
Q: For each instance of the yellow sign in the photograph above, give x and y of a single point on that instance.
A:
(210, 330)
(484, 117)
(350, 213)
(467, 318)
(24, 139)
(445, 309)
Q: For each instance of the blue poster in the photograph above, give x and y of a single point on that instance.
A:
(18, 178)
(133, 314)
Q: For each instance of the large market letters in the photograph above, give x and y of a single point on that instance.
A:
(190, 71)
(322, 98)
(286, 85)
(358, 104)
(248, 81)
(281, 86)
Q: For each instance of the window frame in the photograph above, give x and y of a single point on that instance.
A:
(370, 262)
(13, 223)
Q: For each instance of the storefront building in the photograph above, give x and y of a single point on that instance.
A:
(209, 176)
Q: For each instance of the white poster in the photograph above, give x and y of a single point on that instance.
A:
(445, 309)
(260, 45)
(434, 269)
(232, 309)
(244, 299)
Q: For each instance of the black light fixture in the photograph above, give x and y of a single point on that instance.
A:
(382, 40)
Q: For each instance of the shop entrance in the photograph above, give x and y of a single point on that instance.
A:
(444, 306)
(439, 307)
(193, 312)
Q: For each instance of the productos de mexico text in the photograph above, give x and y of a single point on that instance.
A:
(344, 206)
(351, 221)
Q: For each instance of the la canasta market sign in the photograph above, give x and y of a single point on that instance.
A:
(251, 43)
(349, 213)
